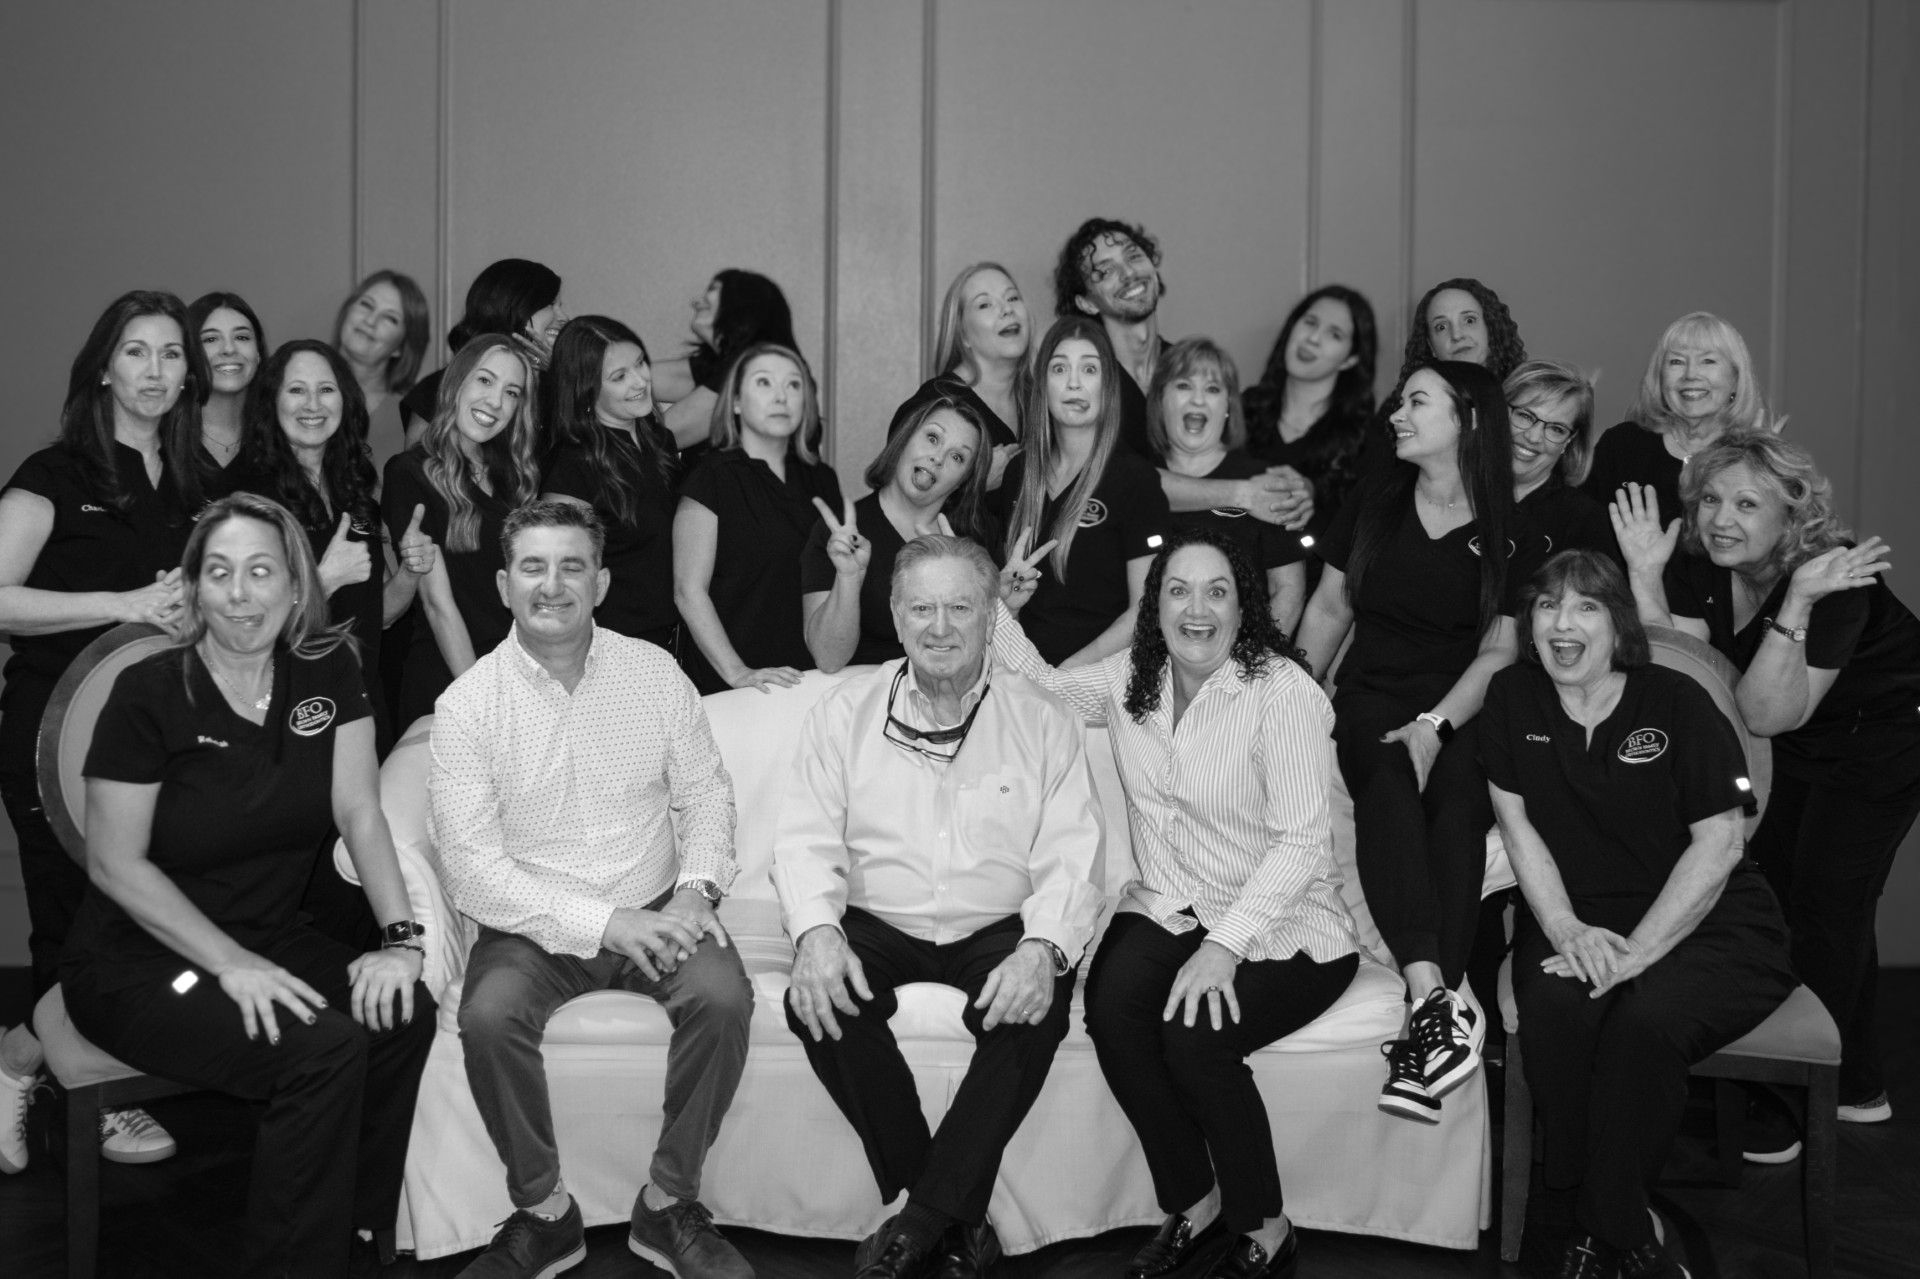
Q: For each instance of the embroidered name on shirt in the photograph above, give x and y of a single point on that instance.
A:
(91, 509)
(311, 716)
(204, 740)
(1538, 737)
(1094, 515)
(1642, 746)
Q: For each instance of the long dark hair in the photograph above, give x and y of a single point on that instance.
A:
(1039, 445)
(207, 303)
(1331, 448)
(1484, 455)
(966, 506)
(345, 467)
(86, 417)
(403, 366)
(752, 312)
(502, 299)
(1258, 642)
(574, 379)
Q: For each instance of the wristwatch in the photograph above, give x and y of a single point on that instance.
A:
(1798, 634)
(1439, 722)
(1060, 965)
(402, 933)
(707, 889)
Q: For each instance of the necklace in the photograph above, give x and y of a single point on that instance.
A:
(265, 700)
(224, 452)
(1434, 501)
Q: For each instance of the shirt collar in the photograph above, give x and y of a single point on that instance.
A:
(923, 704)
(539, 675)
(1225, 678)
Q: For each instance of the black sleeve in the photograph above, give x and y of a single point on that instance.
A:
(705, 484)
(36, 475)
(1495, 729)
(1147, 516)
(129, 740)
(1710, 774)
(569, 474)
(816, 566)
(337, 675)
(406, 487)
(1834, 629)
(706, 367)
(418, 402)
(1279, 547)
(1686, 585)
(1529, 553)
(1337, 546)
(1604, 476)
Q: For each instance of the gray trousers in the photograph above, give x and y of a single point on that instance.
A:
(512, 989)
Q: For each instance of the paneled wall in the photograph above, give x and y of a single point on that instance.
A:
(1606, 167)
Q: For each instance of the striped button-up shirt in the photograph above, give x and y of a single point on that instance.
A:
(1229, 808)
(549, 810)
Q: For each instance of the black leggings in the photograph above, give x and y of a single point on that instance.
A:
(1188, 1091)
(1422, 853)
(55, 884)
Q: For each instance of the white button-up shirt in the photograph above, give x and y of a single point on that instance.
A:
(940, 849)
(549, 810)
(1229, 808)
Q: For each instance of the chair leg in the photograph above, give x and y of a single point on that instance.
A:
(1729, 1128)
(1516, 1160)
(83, 1182)
(1823, 1102)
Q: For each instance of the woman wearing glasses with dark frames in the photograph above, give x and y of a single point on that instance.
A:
(1550, 407)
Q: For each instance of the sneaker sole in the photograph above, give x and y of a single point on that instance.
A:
(648, 1253)
(1410, 1110)
(1771, 1157)
(139, 1156)
(568, 1262)
(1865, 1114)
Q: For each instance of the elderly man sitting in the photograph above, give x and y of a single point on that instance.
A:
(940, 826)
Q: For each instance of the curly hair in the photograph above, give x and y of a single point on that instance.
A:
(1069, 273)
(1254, 646)
(1782, 469)
(1505, 351)
(346, 470)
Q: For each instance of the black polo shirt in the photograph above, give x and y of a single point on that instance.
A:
(1125, 519)
(1567, 519)
(879, 641)
(93, 547)
(1615, 813)
(755, 588)
(1631, 453)
(998, 431)
(242, 809)
(1266, 546)
(639, 552)
(1417, 619)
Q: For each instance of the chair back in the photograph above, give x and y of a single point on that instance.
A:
(66, 730)
(1715, 672)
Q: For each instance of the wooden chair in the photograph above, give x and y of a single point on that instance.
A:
(94, 1081)
(1798, 1044)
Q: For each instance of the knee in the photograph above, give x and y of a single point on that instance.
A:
(1197, 1051)
(717, 993)
(330, 1052)
(490, 1014)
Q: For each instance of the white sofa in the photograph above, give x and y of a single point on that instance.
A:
(786, 1161)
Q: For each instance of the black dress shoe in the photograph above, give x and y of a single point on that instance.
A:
(1588, 1258)
(1172, 1246)
(1246, 1259)
(888, 1254)
(966, 1251)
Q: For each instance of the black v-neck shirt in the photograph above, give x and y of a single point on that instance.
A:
(1631, 453)
(879, 641)
(639, 553)
(1266, 546)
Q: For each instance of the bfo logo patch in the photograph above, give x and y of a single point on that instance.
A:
(1095, 514)
(1473, 544)
(312, 716)
(1643, 746)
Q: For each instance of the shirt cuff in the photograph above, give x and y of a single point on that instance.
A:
(1058, 934)
(806, 918)
(1237, 933)
(583, 945)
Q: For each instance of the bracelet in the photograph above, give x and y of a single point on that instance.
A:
(413, 946)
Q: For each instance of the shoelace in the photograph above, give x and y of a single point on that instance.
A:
(1431, 1026)
(509, 1231)
(134, 1120)
(1402, 1061)
(696, 1219)
(18, 1120)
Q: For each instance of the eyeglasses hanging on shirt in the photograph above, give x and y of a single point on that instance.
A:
(931, 742)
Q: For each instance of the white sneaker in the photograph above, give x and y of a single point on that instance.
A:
(1874, 1110)
(130, 1136)
(15, 1096)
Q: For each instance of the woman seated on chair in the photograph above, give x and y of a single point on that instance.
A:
(1831, 663)
(1233, 935)
(1644, 942)
(216, 768)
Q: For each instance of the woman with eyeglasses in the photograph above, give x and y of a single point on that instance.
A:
(1550, 405)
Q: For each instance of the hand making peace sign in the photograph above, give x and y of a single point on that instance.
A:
(1020, 576)
(849, 551)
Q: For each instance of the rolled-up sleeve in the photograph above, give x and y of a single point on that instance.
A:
(810, 859)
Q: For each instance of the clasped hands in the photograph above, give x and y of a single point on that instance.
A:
(1586, 952)
(659, 941)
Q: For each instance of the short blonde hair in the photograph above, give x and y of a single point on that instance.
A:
(1783, 469)
(723, 428)
(1747, 411)
(1537, 381)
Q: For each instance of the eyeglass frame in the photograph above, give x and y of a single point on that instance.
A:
(1547, 426)
(957, 735)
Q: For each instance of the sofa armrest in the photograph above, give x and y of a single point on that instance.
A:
(449, 935)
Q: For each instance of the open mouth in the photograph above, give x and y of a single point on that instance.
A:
(1199, 632)
(1193, 423)
(922, 479)
(1525, 454)
(1722, 541)
(1011, 329)
(311, 423)
(483, 419)
(1566, 652)
(1076, 405)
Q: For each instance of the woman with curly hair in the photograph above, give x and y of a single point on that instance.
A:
(1311, 406)
(611, 452)
(474, 465)
(1831, 662)
(1459, 319)
(1699, 386)
(1233, 935)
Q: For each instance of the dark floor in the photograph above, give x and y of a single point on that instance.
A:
(179, 1217)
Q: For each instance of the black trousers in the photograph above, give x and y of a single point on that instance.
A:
(1827, 851)
(54, 882)
(1188, 1091)
(332, 1143)
(1609, 1075)
(864, 1072)
(1422, 854)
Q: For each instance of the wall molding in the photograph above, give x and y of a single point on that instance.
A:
(443, 170)
(929, 48)
(1782, 201)
(830, 250)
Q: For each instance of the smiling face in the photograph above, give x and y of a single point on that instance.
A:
(993, 316)
(705, 308)
(1541, 430)
(310, 406)
(232, 349)
(1424, 426)
(1121, 281)
(773, 396)
(1574, 636)
(148, 368)
(943, 614)
(1321, 344)
(1696, 381)
(936, 459)
(1740, 520)
(1194, 410)
(375, 324)
(546, 323)
(626, 385)
(1199, 610)
(1073, 383)
(552, 583)
(1456, 327)
(490, 397)
(245, 588)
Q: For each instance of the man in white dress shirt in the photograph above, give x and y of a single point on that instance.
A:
(940, 826)
(584, 820)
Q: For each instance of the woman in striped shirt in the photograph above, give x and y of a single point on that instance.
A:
(1233, 934)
